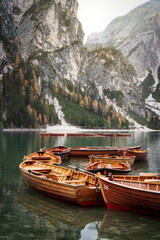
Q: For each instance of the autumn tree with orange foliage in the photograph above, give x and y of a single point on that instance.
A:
(45, 119)
(17, 60)
(36, 88)
(40, 118)
(86, 102)
(56, 86)
(82, 103)
(95, 106)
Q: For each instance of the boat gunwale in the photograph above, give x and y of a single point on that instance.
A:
(57, 153)
(130, 187)
(111, 157)
(104, 148)
(140, 151)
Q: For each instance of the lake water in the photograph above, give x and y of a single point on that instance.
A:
(27, 214)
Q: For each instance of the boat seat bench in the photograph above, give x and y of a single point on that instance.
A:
(76, 181)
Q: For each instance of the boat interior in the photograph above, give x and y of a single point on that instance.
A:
(151, 183)
(60, 174)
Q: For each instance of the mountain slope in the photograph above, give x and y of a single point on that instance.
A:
(42, 56)
(137, 34)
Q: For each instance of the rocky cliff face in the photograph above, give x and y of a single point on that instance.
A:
(10, 15)
(111, 71)
(137, 34)
(45, 32)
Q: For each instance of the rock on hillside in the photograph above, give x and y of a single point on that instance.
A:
(112, 73)
(137, 34)
(46, 33)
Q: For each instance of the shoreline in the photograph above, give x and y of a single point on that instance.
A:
(74, 129)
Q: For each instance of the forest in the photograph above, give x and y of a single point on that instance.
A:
(23, 102)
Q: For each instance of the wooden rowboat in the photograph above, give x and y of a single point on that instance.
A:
(52, 134)
(62, 183)
(86, 151)
(107, 168)
(43, 156)
(61, 151)
(112, 159)
(123, 134)
(135, 195)
(139, 154)
(106, 134)
(81, 134)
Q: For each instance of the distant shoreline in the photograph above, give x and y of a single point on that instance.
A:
(74, 129)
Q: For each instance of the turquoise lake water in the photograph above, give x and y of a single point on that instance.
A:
(27, 214)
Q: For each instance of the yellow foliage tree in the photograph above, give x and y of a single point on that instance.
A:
(82, 103)
(95, 106)
(17, 60)
(117, 115)
(105, 109)
(40, 118)
(23, 90)
(56, 86)
(86, 102)
(21, 75)
(35, 85)
(45, 119)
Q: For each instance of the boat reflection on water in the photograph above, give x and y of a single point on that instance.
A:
(65, 221)
(118, 225)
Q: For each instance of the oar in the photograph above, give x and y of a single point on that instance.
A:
(42, 149)
(79, 169)
(142, 174)
(86, 164)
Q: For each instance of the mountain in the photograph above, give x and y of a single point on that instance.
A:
(43, 58)
(137, 36)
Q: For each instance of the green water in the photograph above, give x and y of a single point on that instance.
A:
(27, 214)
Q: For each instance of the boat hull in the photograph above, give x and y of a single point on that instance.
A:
(106, 134)
(81, 134)
(122, 135)
(43, 156)
(86, 151)
(60, 151)
(77, 194)
(119, 197)
(139, 155)
(97, 158)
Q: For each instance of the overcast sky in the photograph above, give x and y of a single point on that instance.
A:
(96, 14)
